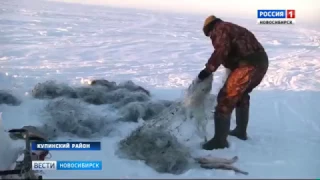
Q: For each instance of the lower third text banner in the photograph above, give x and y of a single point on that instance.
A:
(88, 146)
(66, 165)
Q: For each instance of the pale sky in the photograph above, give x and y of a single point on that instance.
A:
(305, 9)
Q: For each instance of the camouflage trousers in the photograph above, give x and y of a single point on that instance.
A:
(235, 92)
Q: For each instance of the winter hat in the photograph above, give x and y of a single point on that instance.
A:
(207, 24)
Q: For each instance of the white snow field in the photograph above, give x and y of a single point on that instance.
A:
(162, 52)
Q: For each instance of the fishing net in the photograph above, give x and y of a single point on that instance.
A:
(161, 141)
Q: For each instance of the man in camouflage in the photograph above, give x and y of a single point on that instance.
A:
(238, 50)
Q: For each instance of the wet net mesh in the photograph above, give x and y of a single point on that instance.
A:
(161, 142)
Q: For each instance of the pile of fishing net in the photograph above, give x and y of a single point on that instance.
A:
(162, 141)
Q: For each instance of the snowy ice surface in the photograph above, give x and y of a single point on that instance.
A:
(162, 52)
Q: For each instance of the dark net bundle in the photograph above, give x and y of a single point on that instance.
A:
(72, 110)
(161, 141)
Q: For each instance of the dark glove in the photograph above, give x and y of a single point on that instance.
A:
(204, 74)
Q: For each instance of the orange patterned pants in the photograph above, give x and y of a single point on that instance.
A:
(237, 87)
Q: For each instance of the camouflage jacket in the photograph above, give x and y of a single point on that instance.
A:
(231, 43)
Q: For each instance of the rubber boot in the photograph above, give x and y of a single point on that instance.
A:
(242, 118)
(219, 141)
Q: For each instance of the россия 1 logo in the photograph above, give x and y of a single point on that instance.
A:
(276, 16)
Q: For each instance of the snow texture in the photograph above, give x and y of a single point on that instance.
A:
(8, 146)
